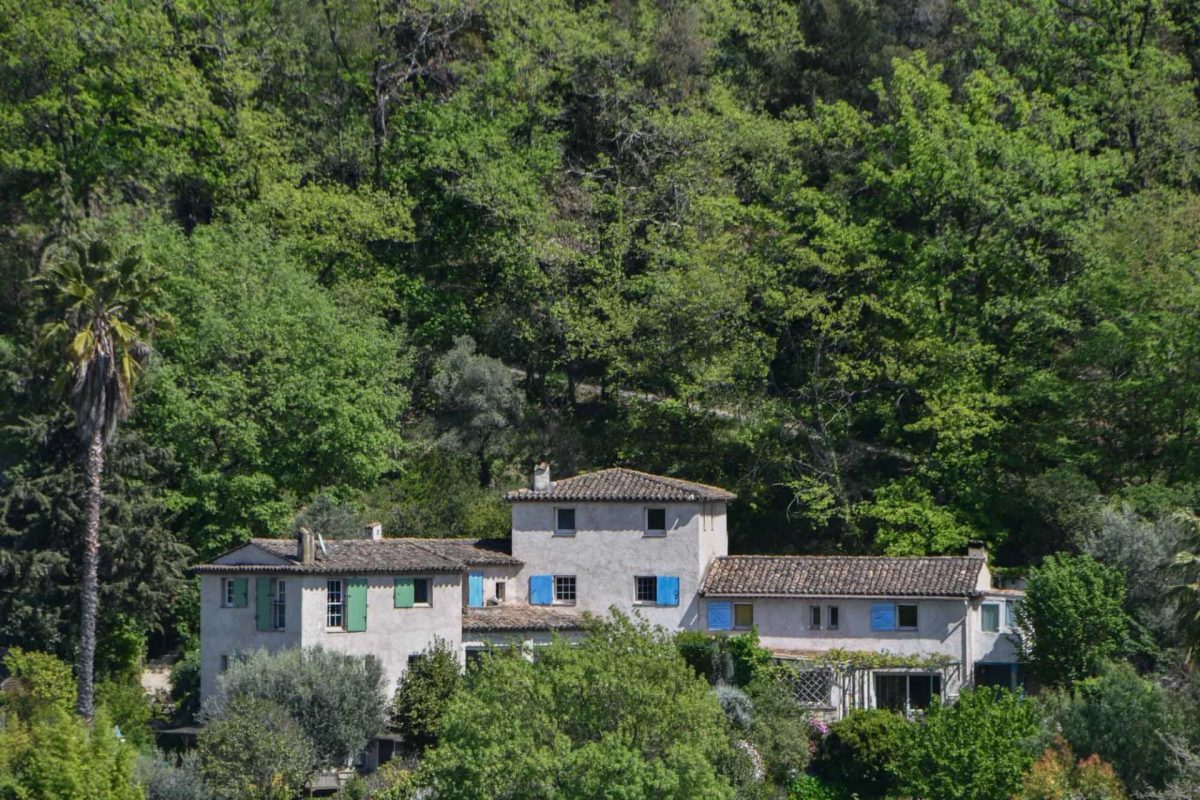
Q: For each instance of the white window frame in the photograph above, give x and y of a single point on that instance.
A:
(653, 583)
(228, 593)
(574, 590)
(999, 616)
(278, 604)
(734, 623)
(428, 592)
(646, 519)
(339, 605)
(832, 617)
(814, 618)
(574, 517)
(914, 606)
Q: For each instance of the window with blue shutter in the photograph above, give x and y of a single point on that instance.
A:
(541, 590)
(883, 617)
(668, 590)
(475, 590)
(720, 615)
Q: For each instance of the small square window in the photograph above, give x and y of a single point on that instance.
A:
(833, 618)
(989, 617)
(564, 523)
(646, 589)
(564, 588)
(421, 592)
(814, 617)
(906, 617)
(656, 520)
(743, 616)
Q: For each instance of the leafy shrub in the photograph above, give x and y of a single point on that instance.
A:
(44, 683)
(56, 755)
(185, 685)
(337, 699)
(1057, 776)
(130, 708)
(164, 776)
(862, 749)
(1124, 719)
(976, 749)
(424, 692)
(810, 787)
(780, 731)
(254, 750)
(724, 659)
(736, 705)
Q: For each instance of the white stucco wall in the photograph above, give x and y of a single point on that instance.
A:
(229, 631)
(611, 546)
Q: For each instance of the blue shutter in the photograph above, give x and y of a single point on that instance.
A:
(720, 615)
(668, 590)
(541, 590)
(475, 590)
(883, 617)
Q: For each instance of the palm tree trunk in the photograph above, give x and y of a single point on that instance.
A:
(89, 589)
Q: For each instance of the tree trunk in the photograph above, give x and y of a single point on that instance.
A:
(89, 590)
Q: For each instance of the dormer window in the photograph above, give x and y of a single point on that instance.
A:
(656, 521)
(564, 522)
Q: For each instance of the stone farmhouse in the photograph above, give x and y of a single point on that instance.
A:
(861, 631)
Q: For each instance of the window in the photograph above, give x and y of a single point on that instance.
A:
(421, 593)
(415, 658)
(224, 663)
(500, 587)
(228, 596)
(1010, 613)
(906, 692)
(645, 589)
(814, 617)
(335, 605)
(278, 604)
(656, 521)
(833, 618)
(989, 617)
(743, 616)
(564, 521)
(906, 617)
(564, 589)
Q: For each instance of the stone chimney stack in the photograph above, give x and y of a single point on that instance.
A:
(977, 549)
(541, 477)
(305, 546)
(374, 531)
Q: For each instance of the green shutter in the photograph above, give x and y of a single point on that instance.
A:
(262, 603)
(404, 593)
(356, 604)
(239, 593)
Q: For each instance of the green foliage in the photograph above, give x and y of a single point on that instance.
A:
(737, 659)
(338, 700)
(810, 787)
(329, 518)
(185, 684)
(1185, 566)
(165, 776)
(129, 708)
(1058, 776)
(619, 714)
(58, 755)
(780, 730)
(1128, 721)
(977, 749)
(424, 692)
(255, 751)
(45, 684)
(1074, 618)
(863, 750)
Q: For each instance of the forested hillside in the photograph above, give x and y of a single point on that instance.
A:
(901, 274)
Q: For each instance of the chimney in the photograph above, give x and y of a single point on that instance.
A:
(305, 546)
(374, 531)
(977, 549)
(541, 477)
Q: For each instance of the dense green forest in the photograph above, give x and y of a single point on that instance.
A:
(901, 274)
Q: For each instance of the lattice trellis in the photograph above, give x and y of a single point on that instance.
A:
(811, 687)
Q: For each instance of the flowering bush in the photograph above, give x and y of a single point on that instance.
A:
(1057, 776)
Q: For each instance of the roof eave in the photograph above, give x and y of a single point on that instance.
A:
(801, 596)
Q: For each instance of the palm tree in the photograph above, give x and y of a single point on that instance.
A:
(1186, 592)
(98, 323)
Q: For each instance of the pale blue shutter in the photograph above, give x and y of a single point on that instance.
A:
(475, 590)
(883, 617)
(541, 590)
(668, 590)
(720, 615)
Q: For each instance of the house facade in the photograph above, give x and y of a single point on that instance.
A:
(644, 544)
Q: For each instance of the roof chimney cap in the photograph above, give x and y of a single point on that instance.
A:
(976, 549)
(541, 477)
(373, 531)
(305, 546)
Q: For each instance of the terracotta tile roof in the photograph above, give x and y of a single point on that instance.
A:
(935, 576)
(519, 618)
(624, 485)
(382, 556)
